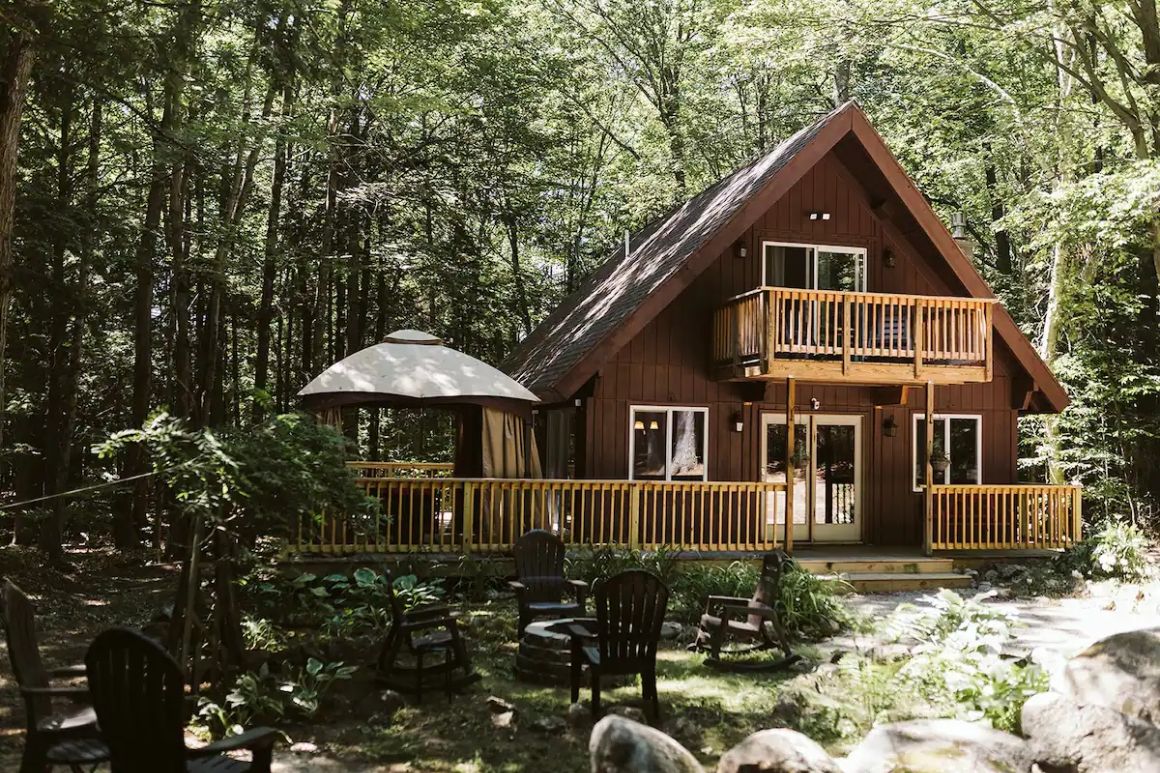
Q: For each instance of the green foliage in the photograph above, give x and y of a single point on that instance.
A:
(1116, 550)
(958, 661)
(262, 696)
(257, 482)
(261, 634)
(594, 565)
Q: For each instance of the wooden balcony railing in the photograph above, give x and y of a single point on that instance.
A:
(868, 334)
(1004, 517)
(460, 515)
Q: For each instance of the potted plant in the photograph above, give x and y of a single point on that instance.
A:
(939, 460)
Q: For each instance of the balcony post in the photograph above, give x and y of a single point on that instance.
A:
(928, 491)
(634, 495)
(790, 405)
(989, 320)
(845, 334)
(919, 336)
(768, 299)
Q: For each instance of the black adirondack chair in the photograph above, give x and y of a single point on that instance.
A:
(424, 634)
(732, 627)
(69, 736)
(630, 608)
(138, 692)
(540, 585)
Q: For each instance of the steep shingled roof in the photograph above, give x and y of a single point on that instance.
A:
(566, 349)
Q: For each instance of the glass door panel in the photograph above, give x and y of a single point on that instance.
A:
(840, 269)
(773, 471)
(788, 265)
(836, 477)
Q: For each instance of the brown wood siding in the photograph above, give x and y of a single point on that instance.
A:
(667, 364)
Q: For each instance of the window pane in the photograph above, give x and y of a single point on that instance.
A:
(648, 460)
(920, 449)
(839, 271)
(688, 457)
(964, 451)
(788, 266)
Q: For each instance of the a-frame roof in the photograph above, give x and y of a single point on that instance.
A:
(627, 292)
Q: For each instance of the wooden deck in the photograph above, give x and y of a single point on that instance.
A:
(857, 337)
(437, 515)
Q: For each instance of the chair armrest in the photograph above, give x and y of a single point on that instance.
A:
(63, 692)
(68, 672)
(578, 584)
(254, 738)
(764, 613)
(517, 586)
(578, 631)
(726, 600)
(434, 610)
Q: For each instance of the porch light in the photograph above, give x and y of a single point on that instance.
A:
(889, 427)
(815, 404)
(819, 215)
(738, 421)
(638, 424)
(740, 250)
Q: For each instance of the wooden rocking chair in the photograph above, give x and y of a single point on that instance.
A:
(540, 585)
(424, 633)
(139, 694)
(630, 608)
(66, 738)
(729, 619)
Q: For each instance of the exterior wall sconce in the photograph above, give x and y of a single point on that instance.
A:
(737, 421)
(889, 427)
(819, 215)
(740, 250)
(888, 257)
(815, 404)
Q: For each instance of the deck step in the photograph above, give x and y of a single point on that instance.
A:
(893, 582)
(905, 565)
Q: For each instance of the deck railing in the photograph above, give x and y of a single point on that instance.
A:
(759, 326)
(459, 515)
(1004, 517)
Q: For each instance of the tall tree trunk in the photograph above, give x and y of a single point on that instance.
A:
(513, 234)
(52, 527)
(14, 73)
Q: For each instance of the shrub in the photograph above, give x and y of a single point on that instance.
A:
(958, 662)
(594, 565)
(1116, 550)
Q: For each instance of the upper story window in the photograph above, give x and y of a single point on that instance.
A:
(668, 443)
(814, 266)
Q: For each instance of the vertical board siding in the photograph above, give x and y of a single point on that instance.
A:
(667, 363)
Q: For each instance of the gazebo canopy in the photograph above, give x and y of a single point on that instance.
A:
(414, 369)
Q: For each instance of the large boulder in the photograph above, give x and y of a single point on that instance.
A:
(1066, 737)
(1121, 672)
(619, 745)
(939, 746)
(777, 751)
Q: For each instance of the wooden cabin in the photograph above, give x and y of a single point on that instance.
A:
(813, 288)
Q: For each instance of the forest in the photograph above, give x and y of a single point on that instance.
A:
(203, 203)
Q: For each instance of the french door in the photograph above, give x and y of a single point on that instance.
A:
(827, 483)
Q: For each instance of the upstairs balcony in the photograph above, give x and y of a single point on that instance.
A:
(858, 337)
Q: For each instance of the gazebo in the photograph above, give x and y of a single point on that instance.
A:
(413, 369)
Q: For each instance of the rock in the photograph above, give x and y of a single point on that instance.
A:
(1121, 672)
(385, 702)
(983, 587)
(577, 714)
(671, 630)
(787, 711)
(629, 712)
(502, 719)
(939, 746)
(619, 745)
(547, 724)
(1067, 737)
(304, 747)
(499, 705)
(777, 751)
(685, 730)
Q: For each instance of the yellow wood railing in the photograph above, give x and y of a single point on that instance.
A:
(402, 469)
(451, 515)
(763, 324)
(1004, 517)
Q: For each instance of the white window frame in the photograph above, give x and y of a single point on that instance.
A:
(918, 485)
(816, 248)
(668, 410)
